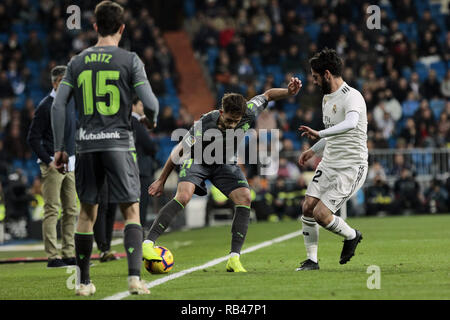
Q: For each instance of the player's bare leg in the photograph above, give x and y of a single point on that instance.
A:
(132, 242)
(325, 217)
(84, 238)
(185, 191)
(242, 199)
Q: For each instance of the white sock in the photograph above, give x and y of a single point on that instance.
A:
(234, 254)
(340, 227)
(310, 237)
(150, 241)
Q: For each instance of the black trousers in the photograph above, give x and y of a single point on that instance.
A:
(103, 227)
(144, 199)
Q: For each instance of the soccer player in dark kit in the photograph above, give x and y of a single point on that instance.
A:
(235, 114)
(102, 79)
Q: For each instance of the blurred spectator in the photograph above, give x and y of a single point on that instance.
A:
(166, 123)
(185, 119)
(157, 83)
(261, 198)
(405, 10)
(17, 204)
(409, 132)
(407, 193)
(431, 88)
(266, 120)
(400, 163)
(287, 169)
(376, 169)
(411, 105)
(445, 85)
(436, 197)
(34, 48)
(387, 125)
(379, 197)
(6, 89)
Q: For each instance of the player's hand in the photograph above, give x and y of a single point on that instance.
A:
(294, 86)
(310, 133)
(156, 188)
(149, 124)
(60, 162)
(305, 156)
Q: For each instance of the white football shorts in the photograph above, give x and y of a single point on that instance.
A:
(334, 186)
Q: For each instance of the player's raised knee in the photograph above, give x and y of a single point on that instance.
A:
(183, 197)
(241, 197)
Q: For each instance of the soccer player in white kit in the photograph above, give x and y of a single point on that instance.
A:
(343, 168)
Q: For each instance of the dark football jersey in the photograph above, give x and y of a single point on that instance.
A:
(103, 80)
(200, 134)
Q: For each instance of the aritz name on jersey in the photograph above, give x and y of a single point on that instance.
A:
(97, 57)
(98, 136)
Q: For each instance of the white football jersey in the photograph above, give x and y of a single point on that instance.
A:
(348, 148)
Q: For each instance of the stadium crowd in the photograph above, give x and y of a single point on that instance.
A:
(402, 69)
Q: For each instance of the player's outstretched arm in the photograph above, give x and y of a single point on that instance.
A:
(58, 119)
(150, 102)
(293, 88)
(350, 122)
(144, 92)
(157, 187)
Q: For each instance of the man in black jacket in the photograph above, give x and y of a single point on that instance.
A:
(56, 188)
(146, 150)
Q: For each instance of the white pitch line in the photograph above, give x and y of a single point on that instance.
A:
(211, 263)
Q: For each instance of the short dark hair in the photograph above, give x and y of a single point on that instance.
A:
(327, 59)
(57, 72)
(234, 103)
(109, 17)
(135, 100)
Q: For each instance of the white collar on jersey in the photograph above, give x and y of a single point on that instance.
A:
(53, 94)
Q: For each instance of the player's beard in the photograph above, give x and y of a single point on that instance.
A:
(326, 86)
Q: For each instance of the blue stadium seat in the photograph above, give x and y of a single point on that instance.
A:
(37, 96)
(437, 106)
(392, 142)
(170, 87)
(212, 54)
(389, 10)
(4, 37)
(440, 67)
(277, 73)
(290, 109)
(421, 6)
(18, 164)
(422, 162)
(19, 103)
(421, 70)
(409, 30)
(406, 73)
(257, 64)
(313, 30)
(189, 8)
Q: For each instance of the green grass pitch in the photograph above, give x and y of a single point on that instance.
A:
(412, 254)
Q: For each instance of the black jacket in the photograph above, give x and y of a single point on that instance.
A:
(145, 148)
(40, 134)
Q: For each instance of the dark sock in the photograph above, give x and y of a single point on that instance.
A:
(165, 216)
(239, 227)
(83, 250)
(132, 241)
